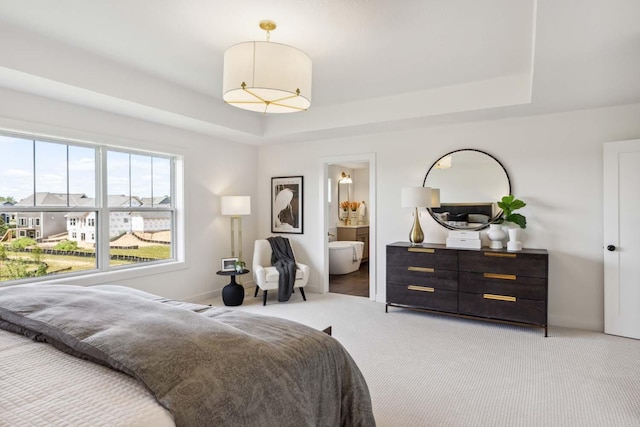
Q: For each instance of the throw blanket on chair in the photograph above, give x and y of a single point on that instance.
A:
(283, 260)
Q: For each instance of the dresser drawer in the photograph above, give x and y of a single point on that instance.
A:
(500, 262)
(533, 288)
(488, 284)
(503, 308)
(423, 297)
(422, 257)
(423, 276)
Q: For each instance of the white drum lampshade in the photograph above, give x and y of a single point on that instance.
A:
(435, 198)
(267, 77)
(235, 205)
(416, 197)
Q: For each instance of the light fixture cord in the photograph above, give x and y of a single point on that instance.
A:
(268, 34)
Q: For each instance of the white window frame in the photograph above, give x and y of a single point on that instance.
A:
(177, 260)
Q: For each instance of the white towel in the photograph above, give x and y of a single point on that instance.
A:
(362, 210)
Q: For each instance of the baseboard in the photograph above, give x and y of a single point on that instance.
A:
(316, 289)
(196, 299)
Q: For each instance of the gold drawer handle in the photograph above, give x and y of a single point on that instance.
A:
(500, 255)
(425, 250)
(420, 288)
(499, 297)
(500, 276)
(422, 269)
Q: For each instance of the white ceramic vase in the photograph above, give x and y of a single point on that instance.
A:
(496, 234)
(514, 243)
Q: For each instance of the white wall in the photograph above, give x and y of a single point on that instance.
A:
(361, 187)
(211, 168)
(554, 161)
(555, 165)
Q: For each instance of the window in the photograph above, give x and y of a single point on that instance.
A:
(122, 199)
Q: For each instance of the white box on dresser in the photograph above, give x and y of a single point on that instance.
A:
(464, 234)
(464, 243)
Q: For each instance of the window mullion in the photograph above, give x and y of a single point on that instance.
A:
(102, 199)
(63, 219)
(34, 171)
(67, 177)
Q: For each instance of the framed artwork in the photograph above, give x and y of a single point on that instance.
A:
(228, 264)
(286, 204)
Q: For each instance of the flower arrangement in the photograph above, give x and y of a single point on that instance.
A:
(345, 205)
(354, 206)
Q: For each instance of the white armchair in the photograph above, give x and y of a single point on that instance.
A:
(266, 276)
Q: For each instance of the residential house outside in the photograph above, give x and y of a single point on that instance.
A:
(81, 226)
(39, 225)
(146, 222)
(7, 217)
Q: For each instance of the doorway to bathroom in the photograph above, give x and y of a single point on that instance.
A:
(349, 220)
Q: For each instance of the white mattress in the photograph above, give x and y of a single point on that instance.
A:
(42, 386)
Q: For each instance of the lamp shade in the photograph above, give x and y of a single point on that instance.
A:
(267, 77)
(416, 197)
(444, 163)
(435, 198)
(235, 205)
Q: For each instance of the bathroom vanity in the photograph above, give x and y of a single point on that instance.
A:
(355, 233)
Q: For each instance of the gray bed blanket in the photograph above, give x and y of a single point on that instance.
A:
(208, 366)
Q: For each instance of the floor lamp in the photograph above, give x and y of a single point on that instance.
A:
(235, 206)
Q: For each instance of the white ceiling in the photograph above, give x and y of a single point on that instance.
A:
(377, 64)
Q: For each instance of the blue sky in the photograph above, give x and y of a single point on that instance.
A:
(17, 170)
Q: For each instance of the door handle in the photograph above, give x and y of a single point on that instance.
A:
(611, 248)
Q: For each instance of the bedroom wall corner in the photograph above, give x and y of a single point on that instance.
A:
(555, 164)
(210, 170)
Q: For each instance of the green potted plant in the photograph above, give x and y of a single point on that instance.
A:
(509, 204)
(239, 266)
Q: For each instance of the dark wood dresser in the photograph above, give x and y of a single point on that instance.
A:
(488, 284)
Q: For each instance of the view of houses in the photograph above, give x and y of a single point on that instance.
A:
(80, 227)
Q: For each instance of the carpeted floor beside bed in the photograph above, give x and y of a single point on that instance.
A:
(430, 370)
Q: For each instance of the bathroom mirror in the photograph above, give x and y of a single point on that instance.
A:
(345, 184)
(471, 182)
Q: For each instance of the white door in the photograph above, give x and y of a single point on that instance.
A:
(622, 238)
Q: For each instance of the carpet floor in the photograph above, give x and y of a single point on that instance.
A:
(432, 370)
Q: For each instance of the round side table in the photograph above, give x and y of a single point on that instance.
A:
(233, 293)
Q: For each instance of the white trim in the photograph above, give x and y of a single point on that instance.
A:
(178, 236)
(324, 217)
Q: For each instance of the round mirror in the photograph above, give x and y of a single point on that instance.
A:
(471, 182)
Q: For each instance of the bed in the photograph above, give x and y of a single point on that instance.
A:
(132, 358)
